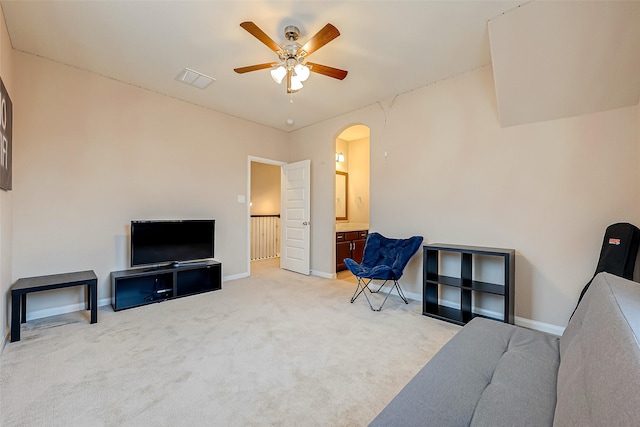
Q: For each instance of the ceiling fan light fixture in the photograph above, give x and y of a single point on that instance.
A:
(296, 84)
(302, 72)
(278, 73)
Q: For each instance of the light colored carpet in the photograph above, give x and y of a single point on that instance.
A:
(274, 349)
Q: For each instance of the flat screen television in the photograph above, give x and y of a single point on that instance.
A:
(159, 242)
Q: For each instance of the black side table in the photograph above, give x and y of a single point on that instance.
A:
(24, 286)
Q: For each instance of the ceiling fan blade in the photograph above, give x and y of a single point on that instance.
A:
(261, 35)
(256, 67)
(324, 36)
(336, 73)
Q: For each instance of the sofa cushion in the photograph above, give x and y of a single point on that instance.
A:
(489, 373)
(599, 377)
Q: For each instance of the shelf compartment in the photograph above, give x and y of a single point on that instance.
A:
(473, 285)
(141, 290)
(453, 315)
(196, 281)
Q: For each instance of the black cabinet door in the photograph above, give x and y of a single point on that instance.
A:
(358, 250)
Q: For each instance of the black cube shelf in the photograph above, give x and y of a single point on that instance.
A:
(433, 281)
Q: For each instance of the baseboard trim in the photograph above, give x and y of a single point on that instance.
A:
(519, 321)
(70, 308)
(322, 274)
(539, 326)
(235, 277)
(413, 296)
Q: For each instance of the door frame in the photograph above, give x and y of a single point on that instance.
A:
(251, 159)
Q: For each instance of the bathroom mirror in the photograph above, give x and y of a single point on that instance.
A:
(342, 181)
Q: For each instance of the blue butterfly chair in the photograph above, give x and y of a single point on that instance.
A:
(383, 259)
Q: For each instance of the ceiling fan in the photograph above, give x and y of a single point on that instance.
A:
(293, 64)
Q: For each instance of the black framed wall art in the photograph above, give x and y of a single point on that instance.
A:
(6, 127)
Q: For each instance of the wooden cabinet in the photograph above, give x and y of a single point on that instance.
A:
(343, 250)
(349, 244)
(465, 284)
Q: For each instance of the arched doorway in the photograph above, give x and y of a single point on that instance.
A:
(352, 196)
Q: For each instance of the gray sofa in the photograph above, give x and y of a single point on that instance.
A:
(496, 374)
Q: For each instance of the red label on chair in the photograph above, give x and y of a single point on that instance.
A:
(614, 241)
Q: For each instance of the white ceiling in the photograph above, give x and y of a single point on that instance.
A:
(388, 47)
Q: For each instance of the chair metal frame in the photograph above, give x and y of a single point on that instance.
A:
(362, 288)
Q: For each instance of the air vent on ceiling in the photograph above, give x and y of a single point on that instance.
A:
(194, 78)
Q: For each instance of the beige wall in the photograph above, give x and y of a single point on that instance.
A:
(342, 146)
(636, 274)
(6, 72)
(95, 154)
(359, 177)
(453, 175)
(265, 189)
(90, 154)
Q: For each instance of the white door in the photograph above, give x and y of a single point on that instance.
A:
(296, 225)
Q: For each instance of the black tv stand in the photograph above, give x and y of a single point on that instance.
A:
(141, 286)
